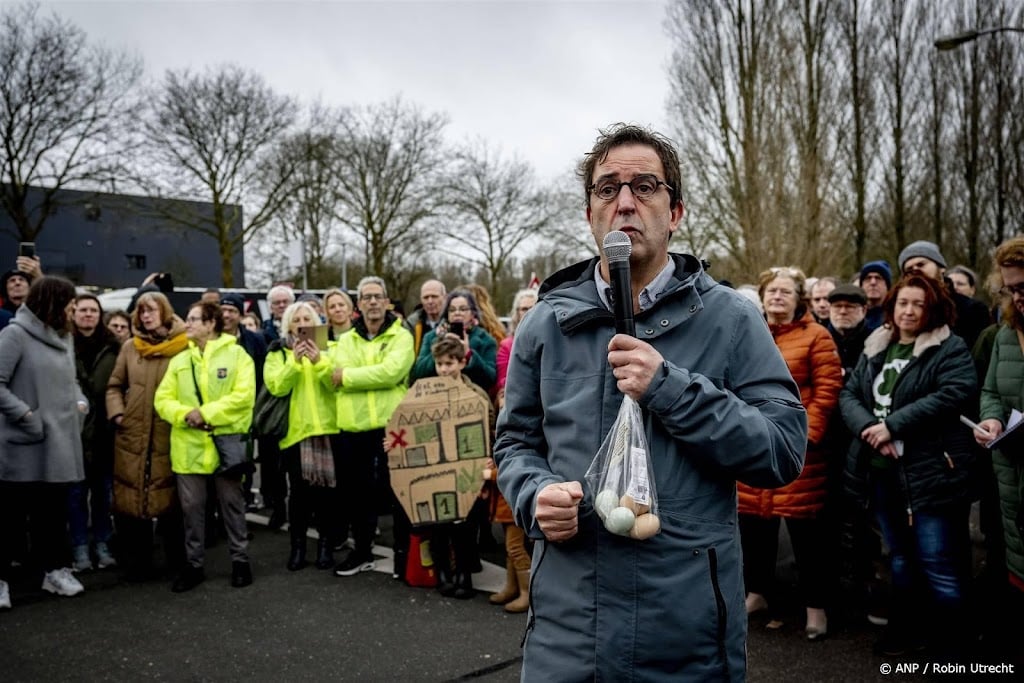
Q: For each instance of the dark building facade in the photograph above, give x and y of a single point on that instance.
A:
(116, 240)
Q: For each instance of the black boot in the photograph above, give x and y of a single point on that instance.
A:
(463, 585)
(241, 574)
(401, 559)
(277, 517)
(465, 556)
(189, 578)
(440, 552)
(297, 557)
(324, 553)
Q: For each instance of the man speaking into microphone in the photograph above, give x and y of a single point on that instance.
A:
(719, 406)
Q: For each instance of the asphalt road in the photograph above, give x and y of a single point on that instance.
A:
(312, 625)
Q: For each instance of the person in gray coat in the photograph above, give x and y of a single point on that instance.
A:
(42, 410)
(719, 405)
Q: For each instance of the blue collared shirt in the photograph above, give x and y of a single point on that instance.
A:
(648, 295)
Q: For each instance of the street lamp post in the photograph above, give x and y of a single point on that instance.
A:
(344, 267)
(954, 41)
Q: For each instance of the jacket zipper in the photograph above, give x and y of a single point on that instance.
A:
(532, 621)
(721, 626)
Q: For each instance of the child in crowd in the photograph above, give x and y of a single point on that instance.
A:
(453, 540)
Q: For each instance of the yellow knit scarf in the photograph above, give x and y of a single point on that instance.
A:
(167, 348)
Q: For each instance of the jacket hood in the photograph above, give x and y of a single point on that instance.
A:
(578, 305)
(212, 346)
(359, 326)
(880, 339)
(27, 320)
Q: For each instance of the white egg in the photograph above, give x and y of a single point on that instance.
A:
(605, 502)
(620, 521)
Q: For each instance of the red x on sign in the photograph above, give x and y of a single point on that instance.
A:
(397, 440)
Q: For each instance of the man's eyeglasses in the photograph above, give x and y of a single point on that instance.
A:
(1010, 290)
(643, 187)
(372, 297)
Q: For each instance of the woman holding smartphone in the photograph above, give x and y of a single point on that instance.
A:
(460, 319)
(296, 367)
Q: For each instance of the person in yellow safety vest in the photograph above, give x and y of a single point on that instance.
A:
(295, 366)
(208, 390)
(371, 364)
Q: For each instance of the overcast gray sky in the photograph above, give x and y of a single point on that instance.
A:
(535, 78)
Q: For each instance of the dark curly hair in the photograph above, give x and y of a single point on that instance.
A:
(620, 134)
(939, 308)
(48, 299)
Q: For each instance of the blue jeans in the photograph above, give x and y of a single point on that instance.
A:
(932, 548)
(96, 492)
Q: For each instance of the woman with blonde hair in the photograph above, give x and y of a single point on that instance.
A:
(144, 487)
(339, 307)
(814, 363)
(296, 367)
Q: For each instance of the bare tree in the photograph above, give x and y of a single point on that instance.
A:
(66, 113)
(901, 75)
(309, 212)
(390, 170)
(492, 206)
(811, 113)
(213, 137)
(858, 130)
(725, 101)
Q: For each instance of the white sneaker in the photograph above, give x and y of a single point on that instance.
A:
(5, 595)
(62, 582)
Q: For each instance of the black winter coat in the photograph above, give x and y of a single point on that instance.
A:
(934, 389)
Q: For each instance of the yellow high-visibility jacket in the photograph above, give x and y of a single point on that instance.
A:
(226, 378)
(311, 411)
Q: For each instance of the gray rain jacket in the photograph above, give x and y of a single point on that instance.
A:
(722, 408)
(37, 373)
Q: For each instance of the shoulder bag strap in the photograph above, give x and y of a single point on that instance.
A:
(199, 394)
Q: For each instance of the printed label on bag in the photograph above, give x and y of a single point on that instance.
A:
(638, 488)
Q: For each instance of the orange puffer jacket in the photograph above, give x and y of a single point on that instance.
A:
(814, 363)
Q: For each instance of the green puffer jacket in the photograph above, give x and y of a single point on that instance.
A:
(1003, 391)
(374, 374)
(312, 410)
(226, 378)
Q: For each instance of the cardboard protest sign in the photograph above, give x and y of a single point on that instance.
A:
(438, 440)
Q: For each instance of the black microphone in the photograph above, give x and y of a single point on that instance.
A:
(617, 249)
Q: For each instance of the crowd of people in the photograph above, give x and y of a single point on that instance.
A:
(158, 396)
(859, 411)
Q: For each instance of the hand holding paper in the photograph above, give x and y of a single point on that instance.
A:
(1015, 421)
(984, 432)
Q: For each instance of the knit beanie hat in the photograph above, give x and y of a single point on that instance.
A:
(928, 250)
(880, 267)
(8, 275)
(233, 299)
